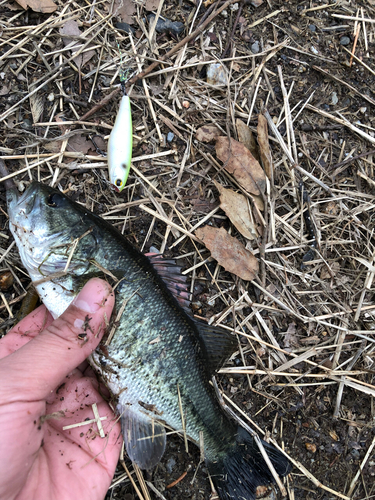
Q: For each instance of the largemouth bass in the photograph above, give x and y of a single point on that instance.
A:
(159, 362)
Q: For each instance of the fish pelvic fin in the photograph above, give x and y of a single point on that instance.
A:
(237, 474)
(144, 438)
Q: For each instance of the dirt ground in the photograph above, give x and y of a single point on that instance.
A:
(305, 324)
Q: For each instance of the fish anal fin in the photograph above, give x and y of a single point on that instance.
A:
(170, 273)
(218, 345)
(144, 438)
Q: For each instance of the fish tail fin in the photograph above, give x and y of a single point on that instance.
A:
(237, 473)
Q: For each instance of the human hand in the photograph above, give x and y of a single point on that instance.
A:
(41, 391)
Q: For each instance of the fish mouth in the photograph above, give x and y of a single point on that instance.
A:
(16, 199)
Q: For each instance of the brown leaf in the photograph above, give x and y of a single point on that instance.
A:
(246, 136)
(71, 28)
(59, 118)
(330, 273)
(236, 207)
(264, 146)
(152, 4)
(229, 252)
(45, 6)
(207, 133)
(53, 146)
(124, 9)
(79, 144)
(241, 163)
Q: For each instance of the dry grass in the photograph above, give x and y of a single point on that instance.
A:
(303, 330)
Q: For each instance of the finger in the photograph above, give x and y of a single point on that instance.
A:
(62, 346)
(25, 330)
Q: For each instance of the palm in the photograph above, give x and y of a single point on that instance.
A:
(54, 463)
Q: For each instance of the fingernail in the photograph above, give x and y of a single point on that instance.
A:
(92, 296)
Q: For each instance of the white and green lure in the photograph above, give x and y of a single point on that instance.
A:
(120, 143)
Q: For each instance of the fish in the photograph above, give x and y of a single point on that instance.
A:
(159, 361)
(120, 144)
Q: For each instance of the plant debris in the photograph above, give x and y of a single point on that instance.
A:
(304, 369)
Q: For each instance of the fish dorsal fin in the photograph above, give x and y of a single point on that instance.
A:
(217, 343)
(144, 438)
(170, 273)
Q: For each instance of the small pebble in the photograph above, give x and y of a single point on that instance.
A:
(255, 48)
(335, 99)
(344, 40)
(170, 464)
(325, 107)
(355, 454)
(216, 74)
(234, 7)
(51, 97)
(26, 124)
(224, 13)
(363, 110)
(312, 27)
(314, 50)
(170, 137)
(186, 104)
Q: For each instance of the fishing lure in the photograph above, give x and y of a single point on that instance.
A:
(120, 143)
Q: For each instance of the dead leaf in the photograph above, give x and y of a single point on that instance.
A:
(71, 28)
(124, 9)
(152, 4)
(12, 121)
(12, 6)
(202, 205)
(36, 106)
(59, 118)
(53, 146)
(79, 144)
(229, 252)
(290, 337)
(4, 90)
(101, 144)
(264, 146)
(241, 163)
(328, 274)
(45, 6)
(236, 207)
(207, 133)
(246, 136)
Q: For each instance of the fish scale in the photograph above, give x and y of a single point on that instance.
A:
(157, 349)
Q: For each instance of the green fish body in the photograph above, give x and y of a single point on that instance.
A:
(159, 361)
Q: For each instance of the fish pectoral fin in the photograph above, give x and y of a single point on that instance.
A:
(218, 345)
(144, 438)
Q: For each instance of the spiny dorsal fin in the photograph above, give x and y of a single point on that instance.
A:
(176, 283)
(218, 344)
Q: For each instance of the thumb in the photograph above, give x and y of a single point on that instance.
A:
(60, 348)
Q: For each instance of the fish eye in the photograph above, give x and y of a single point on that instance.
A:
(55, 200)
(118, 182)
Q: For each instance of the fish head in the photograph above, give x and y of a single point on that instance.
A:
(52, 236)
